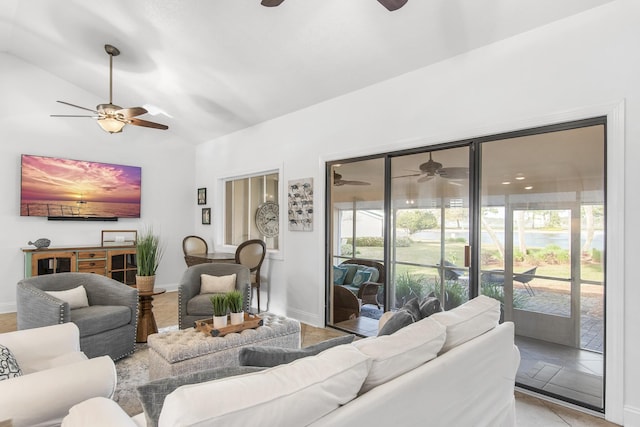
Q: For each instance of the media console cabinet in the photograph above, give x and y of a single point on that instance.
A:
(116, 262)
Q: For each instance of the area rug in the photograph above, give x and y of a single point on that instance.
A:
(133, 371)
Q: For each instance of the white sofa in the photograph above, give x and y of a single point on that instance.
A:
(56, 375)
(455, 368)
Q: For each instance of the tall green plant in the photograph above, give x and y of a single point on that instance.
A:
(234, 301)
(148, 252)
(219, 302)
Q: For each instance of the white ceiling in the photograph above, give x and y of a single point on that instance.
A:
(217, 66)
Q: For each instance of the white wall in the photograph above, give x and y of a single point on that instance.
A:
(586, 63)
(168, 191)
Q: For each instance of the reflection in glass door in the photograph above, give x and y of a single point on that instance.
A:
(541, 253)
(430, 227)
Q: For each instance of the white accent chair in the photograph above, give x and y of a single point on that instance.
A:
(56, 375)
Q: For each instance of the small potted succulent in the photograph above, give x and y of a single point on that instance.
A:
(234, 301)
(219, 302)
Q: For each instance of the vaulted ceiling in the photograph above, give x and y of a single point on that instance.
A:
(218, 66)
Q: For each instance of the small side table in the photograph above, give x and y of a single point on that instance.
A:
(146, 320)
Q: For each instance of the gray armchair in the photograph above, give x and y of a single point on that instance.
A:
(192, 305)
(107, 326)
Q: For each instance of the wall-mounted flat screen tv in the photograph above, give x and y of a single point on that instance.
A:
(76, 189)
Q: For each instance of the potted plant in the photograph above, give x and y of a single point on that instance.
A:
(148, 256)
(234, 301)
(219, 302)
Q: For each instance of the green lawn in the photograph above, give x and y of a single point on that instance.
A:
(429, 253)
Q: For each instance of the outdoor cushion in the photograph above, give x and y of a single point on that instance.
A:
(360, 277)
(375, 274)
(351, 271)
(339, 274)
(99, 318)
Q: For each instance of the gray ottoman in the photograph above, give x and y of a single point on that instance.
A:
(180, 352)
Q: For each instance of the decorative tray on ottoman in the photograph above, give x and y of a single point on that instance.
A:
(251, 321)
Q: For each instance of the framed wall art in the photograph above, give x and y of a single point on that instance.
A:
(300, 204)
(206, 216)
(202, 196)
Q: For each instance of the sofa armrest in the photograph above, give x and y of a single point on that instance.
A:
(97, 412)
(36, 308)
(31, 346)
(45, 397)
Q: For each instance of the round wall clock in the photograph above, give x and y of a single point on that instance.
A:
(267, 219)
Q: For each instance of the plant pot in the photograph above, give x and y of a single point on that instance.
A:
(237, 318)
(145, 283)
(219, 322)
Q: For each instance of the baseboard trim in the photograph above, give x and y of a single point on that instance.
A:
(305, 317)
(631, 416)
(8, 307)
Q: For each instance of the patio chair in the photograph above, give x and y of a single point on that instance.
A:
(496, 277)
(524, 278)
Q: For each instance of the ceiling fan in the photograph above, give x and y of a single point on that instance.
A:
(431, 169)
(112, 118)
(338, 181)
(391, 5)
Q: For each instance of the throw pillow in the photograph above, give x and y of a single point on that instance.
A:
(408, 314)
(360, 277)
(429, 306)
(153, 393)
(274, 356)
(217, 284)
(351, 271)
(339, 274)
(9, 367)
(469, 320)
(76, 297)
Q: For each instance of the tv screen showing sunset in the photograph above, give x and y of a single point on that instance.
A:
(55, 187)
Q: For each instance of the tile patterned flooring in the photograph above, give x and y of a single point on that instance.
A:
(530, 411)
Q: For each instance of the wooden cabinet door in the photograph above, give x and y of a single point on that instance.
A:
(122, 266)
(53, 262)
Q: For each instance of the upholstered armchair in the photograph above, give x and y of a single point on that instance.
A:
(194, 305)
(56, 375)
(107, 323)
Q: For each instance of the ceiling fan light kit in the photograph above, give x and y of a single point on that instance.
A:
(112, 118)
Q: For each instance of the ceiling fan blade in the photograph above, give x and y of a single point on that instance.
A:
(454, 173)
(347, 182)
(271, 3)
(71, 115)
(425, 178)
(392, 5)
(405, 176)
(77, 106)
(131, 112)
(145, 123)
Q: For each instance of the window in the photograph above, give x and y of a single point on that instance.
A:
(251, 209)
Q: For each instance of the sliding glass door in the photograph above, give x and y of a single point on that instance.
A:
(518, 217)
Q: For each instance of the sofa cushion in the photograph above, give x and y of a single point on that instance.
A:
(406, 349)
(9, 367)
(294, 394)
(217, 284)
(75, 297)
(339, 274)
(99, 318)
(274, 356)
(375, 274)
(153, 393)
(408, 314)
(469, 320)
(360, 277)
(200, 305)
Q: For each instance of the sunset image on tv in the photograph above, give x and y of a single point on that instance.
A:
(56, 187)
